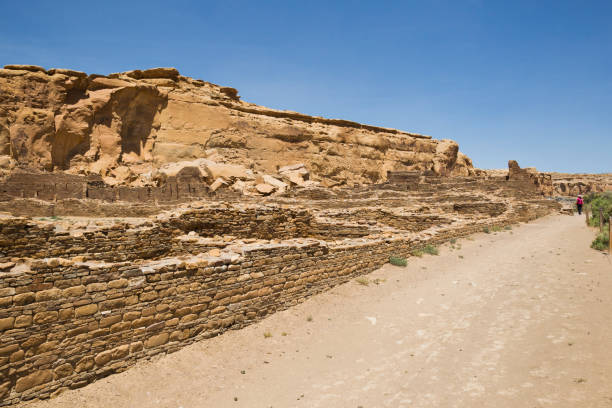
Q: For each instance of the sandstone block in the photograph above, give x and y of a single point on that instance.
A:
(47, 346)
(7, 292)
(33, 341)
(109, 321)
(118, 284)
(24, 298)
(121, 352)
(7, 323)
(157, 340)
(103, 357)
(148, 296)
(189, 318)
(66, 314)
(6, 350)
(136, 347)
(63, 370)
(86, 310)
(45, 317)
(96, 287)
(34, 379)
(85, 364)
(17, 356)
(75, 291)
(5, 388)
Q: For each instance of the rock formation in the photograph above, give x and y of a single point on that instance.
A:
(574, 184)
(129, 127)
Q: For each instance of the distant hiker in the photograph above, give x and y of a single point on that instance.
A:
(579, 202)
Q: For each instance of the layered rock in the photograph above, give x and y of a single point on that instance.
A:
(127, 126)
(574, 184)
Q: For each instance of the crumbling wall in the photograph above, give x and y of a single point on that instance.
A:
(64, 324)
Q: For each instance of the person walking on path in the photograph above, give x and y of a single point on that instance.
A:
(579, 203)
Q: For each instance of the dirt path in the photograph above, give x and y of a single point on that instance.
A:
(513, 319)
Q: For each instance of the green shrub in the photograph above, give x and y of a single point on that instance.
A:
(430, 249)
(362, 281)
(496, 228)
(602, 242)
(486, 230)
(416, 252)
(596, 201)
(398, 261)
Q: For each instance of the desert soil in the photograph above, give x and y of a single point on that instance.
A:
(518, 318)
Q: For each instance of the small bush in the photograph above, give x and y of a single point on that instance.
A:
(430, 249)
(398, 261)
(486, 230)
(453, 241)
(362, 281)
(507, 227)
(602, 242)
(496, 228)
(416, 252)
(267, 334)
(309, 319)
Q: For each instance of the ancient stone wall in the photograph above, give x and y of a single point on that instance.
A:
(20, 238)
(65, 323)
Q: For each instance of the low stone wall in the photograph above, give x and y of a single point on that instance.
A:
(64, 324)
(21, 238)
(263, 222)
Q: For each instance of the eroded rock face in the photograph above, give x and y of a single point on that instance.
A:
(64, 120)
(573, 184)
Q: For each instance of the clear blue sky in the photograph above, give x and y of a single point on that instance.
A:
(527, 80)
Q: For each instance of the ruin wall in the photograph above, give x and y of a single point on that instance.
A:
(64, 324)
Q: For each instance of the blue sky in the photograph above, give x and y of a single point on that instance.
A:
(525, 80)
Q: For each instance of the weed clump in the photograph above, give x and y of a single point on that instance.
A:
(398, 261)
(416, 252)
(362, 281)
(601, 242)
(486, 230)
(496, 228)
(430, 249)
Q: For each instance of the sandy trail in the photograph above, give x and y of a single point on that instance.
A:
(513, 319)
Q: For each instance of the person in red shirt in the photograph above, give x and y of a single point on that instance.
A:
(579, 202)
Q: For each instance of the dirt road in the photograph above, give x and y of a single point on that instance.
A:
(519, 318)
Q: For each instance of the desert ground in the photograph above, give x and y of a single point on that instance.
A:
(518, 318)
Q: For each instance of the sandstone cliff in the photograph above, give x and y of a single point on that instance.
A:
(134, 127)
(574, 184)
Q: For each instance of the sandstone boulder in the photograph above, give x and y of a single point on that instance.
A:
(67, 72)
(265, 189)
(218, 183)
(278, 185)
(31, 68)
(296, 174)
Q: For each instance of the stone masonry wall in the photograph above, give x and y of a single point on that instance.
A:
(20, 238)
(64, 324)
